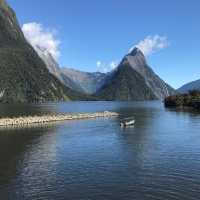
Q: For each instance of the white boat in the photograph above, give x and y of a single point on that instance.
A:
(126, 123)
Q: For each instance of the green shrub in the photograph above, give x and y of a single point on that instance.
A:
(192, 99)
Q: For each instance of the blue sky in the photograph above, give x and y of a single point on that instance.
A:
(104, 30)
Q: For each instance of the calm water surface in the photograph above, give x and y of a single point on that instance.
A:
(158, 159)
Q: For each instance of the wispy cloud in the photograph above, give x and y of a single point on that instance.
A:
(43, 37)
(152, 44)
(106, 67)
(99, 64)
(148, 46)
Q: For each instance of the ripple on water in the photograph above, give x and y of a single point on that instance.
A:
(158, 159)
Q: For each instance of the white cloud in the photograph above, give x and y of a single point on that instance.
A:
(152, 44)
(113, 65)
(98, 63)
(40, 36)
(106, 67)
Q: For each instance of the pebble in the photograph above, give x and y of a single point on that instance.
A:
(20, 121)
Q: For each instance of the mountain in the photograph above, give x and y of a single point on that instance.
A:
(79, 81)
(50, 62)
(85, 81)
(134, 80)
(55, 69)
(195, 85)
(23, 74)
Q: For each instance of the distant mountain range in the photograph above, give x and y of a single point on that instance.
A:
(55, 70)
(133, 79)
(83, 82)
(30, 74)
(88, 83)
(195, 85)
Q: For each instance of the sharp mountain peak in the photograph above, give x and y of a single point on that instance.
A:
(136, 51)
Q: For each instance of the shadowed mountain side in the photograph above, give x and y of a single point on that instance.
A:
(126, 84)
(133, 79)
(23, 75)
(83, 82)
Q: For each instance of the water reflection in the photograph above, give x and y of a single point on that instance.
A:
(158, 158)
(15, 145)
(13, 110)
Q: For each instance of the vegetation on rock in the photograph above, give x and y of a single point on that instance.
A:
(134, 80)
(126, 85)
(191, 100)
(24, 76)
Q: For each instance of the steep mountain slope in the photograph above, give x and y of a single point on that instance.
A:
(134, 80)
(125, 84)
(23, 75)
(55, 69)
(195, 85)
(79, 81)
(50, 62)
(85, 81)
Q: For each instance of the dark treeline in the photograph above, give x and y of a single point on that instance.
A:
(192, 100)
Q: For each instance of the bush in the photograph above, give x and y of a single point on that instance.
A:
(184, 100)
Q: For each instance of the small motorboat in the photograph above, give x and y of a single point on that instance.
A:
(127, 122)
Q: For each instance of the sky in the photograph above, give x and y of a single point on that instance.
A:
(93, 35)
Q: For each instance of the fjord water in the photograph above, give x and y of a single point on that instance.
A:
(157, 159)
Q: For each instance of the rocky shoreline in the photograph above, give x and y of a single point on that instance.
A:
(27, 120)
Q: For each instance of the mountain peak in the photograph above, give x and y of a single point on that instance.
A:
(133, 79)
(135, 58)
(135, 51)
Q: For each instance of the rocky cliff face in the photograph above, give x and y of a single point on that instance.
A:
(137, 61)
(134, 80)
(23, 74)
(55, 69)
(79, 81)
